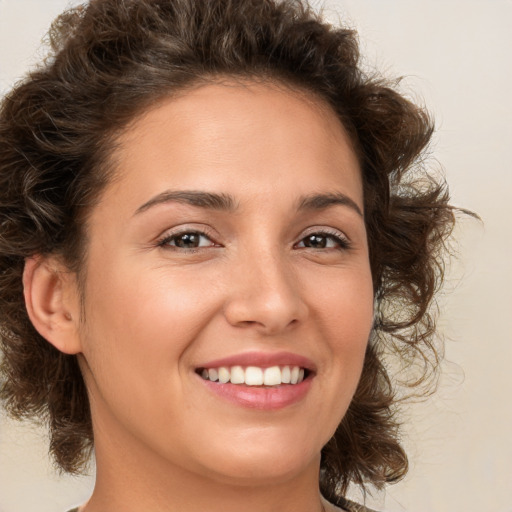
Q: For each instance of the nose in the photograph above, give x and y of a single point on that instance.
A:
(265, 294)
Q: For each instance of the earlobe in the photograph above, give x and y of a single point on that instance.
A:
(50, 298)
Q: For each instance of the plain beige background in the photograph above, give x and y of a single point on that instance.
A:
(456, 56)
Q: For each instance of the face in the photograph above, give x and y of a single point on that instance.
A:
(230, 246)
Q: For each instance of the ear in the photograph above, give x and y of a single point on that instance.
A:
(52, 302)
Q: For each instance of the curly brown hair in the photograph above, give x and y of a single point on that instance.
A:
(112, 60)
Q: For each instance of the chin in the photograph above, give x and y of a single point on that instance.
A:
(263, 462)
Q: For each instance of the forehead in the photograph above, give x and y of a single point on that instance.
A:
(256, 132)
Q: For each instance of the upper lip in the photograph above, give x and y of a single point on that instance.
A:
(263, 360)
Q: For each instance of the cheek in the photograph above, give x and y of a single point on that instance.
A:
(345, 319)
(141, 317)
(136, 342)
(344, 301)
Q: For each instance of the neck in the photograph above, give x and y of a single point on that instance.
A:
(137, 479)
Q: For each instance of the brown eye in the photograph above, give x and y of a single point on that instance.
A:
(323, 241)
(187, 240)
(315, 241)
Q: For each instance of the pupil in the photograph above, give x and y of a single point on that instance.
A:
(188, 240)
(316, 241)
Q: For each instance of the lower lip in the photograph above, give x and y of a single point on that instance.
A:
(261, 397)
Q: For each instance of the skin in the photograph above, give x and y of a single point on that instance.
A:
(154, 312)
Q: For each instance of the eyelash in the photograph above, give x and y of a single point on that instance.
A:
(340, 240)
(165, 241)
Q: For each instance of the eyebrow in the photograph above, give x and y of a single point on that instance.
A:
(226, 202)
(208, 200)
(323, 201)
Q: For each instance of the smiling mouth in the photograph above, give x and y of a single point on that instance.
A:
(255, 375)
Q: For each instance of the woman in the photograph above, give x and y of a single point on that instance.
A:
(214, 227)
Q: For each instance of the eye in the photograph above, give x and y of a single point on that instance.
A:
(187, 240)
(323, 240)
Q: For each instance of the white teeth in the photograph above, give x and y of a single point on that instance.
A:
(224, 375)
(272, 376)
(237, 375)
(254, 375)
